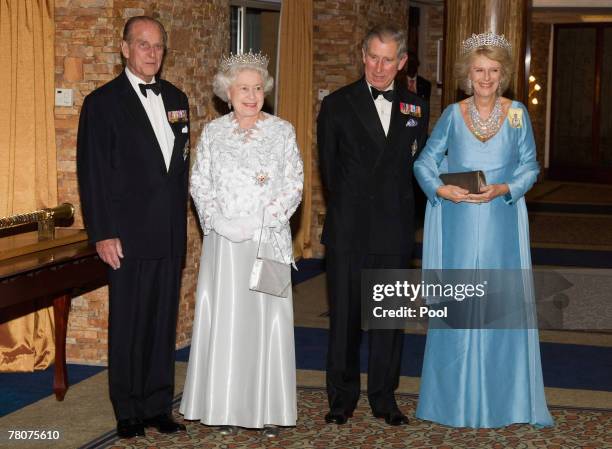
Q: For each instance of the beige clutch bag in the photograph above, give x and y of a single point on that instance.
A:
(469, 180)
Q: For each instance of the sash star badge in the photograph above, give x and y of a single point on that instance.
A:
(414, 147)
(411, 123)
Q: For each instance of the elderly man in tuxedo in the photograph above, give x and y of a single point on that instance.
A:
(133, 166)
(369, 133)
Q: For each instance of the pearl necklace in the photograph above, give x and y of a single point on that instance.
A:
(484, 129)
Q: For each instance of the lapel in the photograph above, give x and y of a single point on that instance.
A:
(396, 125)
(398, 120)
(361, 100)
(168, 106)
(136, 110)
(400, 137)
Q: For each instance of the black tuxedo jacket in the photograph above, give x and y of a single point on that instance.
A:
(367, 175)
(126, 191)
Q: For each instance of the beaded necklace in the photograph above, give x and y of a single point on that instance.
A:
(484, 129)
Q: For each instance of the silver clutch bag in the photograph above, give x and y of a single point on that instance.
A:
(270, 276)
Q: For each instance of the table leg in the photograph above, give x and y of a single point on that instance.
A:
(61, 307)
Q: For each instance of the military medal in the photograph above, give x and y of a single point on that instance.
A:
(410, 109)
(414, 147)
(179, 116)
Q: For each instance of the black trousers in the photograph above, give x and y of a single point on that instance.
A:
(144, 296)
(385, 346)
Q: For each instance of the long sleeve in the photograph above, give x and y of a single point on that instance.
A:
(528, 168)
(94, 166)
(327, 143)
(281, 207)
(201, 185)
(427, 166)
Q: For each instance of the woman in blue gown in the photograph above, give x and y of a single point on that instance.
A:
(481, 377)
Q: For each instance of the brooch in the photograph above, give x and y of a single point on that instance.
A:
(261, 178)
(515, 115)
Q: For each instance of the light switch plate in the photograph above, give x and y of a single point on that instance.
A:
(63, 97)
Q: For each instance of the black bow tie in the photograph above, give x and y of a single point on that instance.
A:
(153, 86)
(388, 94)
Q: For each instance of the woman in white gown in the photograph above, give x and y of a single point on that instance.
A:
(248, 173)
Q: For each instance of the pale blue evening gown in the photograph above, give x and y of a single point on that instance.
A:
(476, 377)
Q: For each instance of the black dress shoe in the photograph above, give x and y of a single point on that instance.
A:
(130, 428)
(164, 424)
(395, 418)
(337, 417)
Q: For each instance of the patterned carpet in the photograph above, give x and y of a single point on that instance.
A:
(574, 428)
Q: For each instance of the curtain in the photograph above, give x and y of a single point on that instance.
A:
(28, 174)
(294, 103)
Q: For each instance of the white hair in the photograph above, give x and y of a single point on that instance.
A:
(224, 79)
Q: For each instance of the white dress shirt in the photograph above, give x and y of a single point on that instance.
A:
(383, 107)
(154, 107)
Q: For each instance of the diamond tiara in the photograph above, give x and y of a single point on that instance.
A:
(243, 59)
(487, 39)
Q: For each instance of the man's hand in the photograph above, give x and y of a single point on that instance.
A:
(110, 251)
(453, 193)
(488, 193)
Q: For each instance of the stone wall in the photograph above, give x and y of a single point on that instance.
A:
(339, 26)
(88, 34)
(540, 42)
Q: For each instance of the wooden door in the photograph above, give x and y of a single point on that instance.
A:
(581, 119)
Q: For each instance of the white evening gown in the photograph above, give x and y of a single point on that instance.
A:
(242, 361)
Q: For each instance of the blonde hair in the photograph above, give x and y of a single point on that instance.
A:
(498, 54)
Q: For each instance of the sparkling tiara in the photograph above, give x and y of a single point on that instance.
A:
(246, 59)
(487, 39)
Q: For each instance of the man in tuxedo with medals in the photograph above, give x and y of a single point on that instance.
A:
(368, 134)
(133, 167)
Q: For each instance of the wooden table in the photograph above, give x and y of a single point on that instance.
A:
(54, 271)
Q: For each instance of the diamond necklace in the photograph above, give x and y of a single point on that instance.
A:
(484, 129)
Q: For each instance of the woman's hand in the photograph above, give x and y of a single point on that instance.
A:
(453, 193)
(237, 229)
(488, 193)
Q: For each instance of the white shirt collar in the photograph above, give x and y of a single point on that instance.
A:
(390, 87)
(135, 81)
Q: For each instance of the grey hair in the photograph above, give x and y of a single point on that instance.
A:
(384, 32)
(224, 79)
(127, 28)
